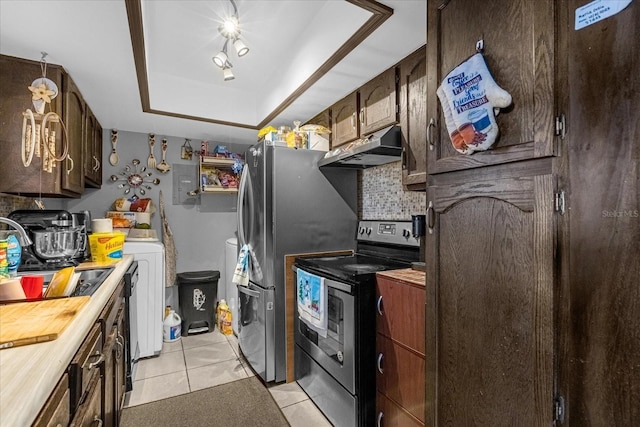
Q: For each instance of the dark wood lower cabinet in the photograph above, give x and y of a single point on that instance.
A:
(57, 410)
(89, 413)
(388, 414)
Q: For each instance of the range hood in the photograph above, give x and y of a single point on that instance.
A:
(379, 148)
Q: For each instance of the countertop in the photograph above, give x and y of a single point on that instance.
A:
(28, 374)
(406, 275)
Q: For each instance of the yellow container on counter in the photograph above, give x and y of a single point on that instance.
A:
(106, 247)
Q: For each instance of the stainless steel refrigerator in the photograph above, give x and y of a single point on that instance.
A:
(286, 205)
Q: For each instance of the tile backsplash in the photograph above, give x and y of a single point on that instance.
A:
(9, 203)
(383, 197)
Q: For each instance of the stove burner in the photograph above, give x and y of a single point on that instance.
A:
(363, 268)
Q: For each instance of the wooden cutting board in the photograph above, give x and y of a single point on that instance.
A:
(26, 323)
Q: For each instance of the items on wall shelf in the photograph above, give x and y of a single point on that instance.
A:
(219, 171)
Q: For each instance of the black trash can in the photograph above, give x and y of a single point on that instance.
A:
(198, 294)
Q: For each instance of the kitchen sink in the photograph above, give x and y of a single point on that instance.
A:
(88, 282)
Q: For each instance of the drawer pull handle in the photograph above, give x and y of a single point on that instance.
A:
(380, 416)
(97, 362)
(380, 357)
(379, 305)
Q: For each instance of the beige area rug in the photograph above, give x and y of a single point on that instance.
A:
(245, 402)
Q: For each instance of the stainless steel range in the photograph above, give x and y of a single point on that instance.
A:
(336, 365)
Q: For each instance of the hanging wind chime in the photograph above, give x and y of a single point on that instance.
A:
(40, 130)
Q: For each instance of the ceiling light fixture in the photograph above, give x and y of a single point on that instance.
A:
(230, 30)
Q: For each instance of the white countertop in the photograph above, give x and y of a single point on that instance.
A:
(28, 374)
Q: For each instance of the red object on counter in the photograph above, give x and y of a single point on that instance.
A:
(32, 286)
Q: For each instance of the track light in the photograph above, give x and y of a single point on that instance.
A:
(230, 30)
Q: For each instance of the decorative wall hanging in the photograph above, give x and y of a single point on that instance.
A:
(470, 99)
(134, 178)
(164, 167)
(186, 152)
(113, 157)
(40, 129)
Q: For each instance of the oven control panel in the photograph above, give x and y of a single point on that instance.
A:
(392, 232)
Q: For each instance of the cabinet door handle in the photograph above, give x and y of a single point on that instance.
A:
(353, 120)
(379, 421)
(96, 164)
(120, 344)
(430, 127)
(69, 160)
(97, 362)
(379, 363)
(431, 217)
(97, 421)
(362, 116)
(404, 158)
(379, 305)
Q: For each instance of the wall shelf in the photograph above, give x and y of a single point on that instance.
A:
(215, 172)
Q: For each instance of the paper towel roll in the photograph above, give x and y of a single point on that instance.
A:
(101, 225)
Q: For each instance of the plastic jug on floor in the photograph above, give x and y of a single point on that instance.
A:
(171, 329)
(223, 315)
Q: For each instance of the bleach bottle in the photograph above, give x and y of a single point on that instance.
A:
(171, 329)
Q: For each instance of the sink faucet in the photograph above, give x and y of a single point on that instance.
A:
(24, 237)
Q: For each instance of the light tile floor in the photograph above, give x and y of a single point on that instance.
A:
(205, 360)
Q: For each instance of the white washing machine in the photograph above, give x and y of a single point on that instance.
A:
(231, 259)
(149, 308)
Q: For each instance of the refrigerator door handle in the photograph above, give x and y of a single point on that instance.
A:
(240, 207)
(248, 291)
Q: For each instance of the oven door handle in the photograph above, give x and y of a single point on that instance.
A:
(248, 291)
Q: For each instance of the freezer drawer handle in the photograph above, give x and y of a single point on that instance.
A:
(249, 292)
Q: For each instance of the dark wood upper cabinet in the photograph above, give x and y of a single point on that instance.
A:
(92, 151)
(378, 102)
(372, 107)
(74, 116)
(66, 178)
(519, 48)
(413, 119)
(345, 126)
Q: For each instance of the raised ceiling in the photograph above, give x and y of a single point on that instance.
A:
(145, 65)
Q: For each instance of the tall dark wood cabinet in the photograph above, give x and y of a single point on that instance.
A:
(600, 347)
(490, 281)
(92, 151)
(533, 246)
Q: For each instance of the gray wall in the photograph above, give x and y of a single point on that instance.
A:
(202, 226)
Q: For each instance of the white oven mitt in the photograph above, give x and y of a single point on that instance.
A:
(470, 98)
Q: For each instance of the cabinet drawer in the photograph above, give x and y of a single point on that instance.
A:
(89, 414)
(388, 414)
(56, 412)
(400, 376)
(86, 361)
(400, 313)
(108, 316)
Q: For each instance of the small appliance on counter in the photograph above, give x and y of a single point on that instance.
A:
(59, 238)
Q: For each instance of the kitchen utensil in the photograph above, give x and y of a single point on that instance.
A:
(151, 161)
(34, 322)
(164, 167)
(113, 158)
(60, 282)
